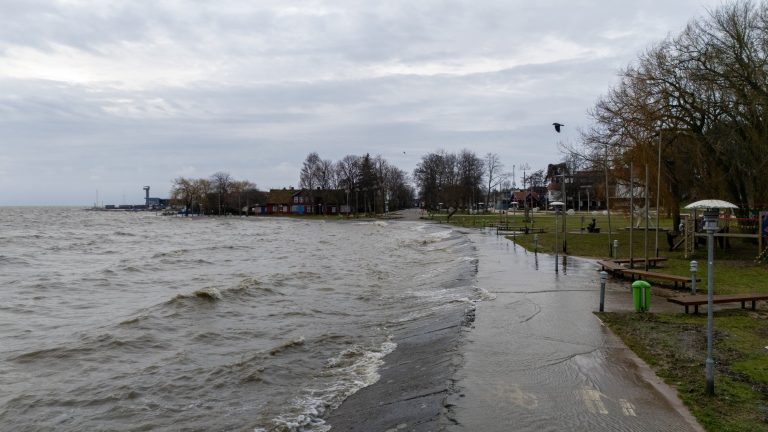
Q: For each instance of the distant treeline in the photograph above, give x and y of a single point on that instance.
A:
(219, 194)
(371, 185)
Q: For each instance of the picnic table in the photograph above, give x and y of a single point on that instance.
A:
(616, 267)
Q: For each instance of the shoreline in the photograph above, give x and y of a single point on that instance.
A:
(416, 377)
(414, 382)
(423, 382)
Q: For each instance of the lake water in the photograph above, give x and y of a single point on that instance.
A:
(134, 321)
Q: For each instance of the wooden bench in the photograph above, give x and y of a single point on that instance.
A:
(526, 230)
(652, 261)
(611, 266)
(701, 299)
(615, 266)
(654, 275)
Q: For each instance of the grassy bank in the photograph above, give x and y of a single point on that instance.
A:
(735, 268)
(674, 345)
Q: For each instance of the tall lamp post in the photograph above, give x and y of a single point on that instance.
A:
(556, 205)
(658, 194)
(711, 213)
(559, 126)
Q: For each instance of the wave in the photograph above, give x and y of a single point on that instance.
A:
(90, 348)
(286, 346)
(174, 253)
(247, 286)
(351, 370)
(376, 223)
(5, 259)
(209, 293)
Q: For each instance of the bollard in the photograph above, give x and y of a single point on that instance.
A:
(694, 267)
(603, 278)
(615, 248)
(535, 243)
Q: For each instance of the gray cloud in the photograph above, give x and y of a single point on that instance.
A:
(115, 95)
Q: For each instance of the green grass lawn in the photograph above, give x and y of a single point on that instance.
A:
(674, 345)
(735, 268)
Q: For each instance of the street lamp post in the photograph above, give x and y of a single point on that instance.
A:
(658, 193)
(711, 213)
(556, 205)
(710, 225)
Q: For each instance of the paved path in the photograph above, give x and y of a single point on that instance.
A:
(537, 358)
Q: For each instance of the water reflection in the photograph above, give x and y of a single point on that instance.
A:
(565, 265)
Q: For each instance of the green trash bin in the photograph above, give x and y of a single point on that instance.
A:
(641, 295)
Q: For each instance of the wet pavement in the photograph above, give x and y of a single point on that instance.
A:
(538, 359)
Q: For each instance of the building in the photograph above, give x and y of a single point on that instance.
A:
(304, 202)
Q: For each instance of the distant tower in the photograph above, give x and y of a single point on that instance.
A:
(146, 197)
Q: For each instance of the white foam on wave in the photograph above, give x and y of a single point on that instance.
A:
(376, 223)
(210, 292)
(484, 294)
(352, 370)
(440, 235)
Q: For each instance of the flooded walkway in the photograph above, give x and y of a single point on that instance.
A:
(538, 359)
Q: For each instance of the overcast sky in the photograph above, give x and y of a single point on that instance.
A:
(115, 95)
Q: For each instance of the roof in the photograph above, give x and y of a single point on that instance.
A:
(280, 196)
(285, 196)
(522, 195)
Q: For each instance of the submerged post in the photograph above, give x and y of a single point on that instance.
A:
(603, 278)
(535, 243)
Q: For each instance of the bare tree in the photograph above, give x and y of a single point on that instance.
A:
(693, 108)
(449, 179)
(221, 182)
(348, 172)
(494, 174)
(309, 171)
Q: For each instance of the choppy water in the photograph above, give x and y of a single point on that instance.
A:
(133, 321)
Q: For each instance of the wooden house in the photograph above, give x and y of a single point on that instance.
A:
(525, 199)
(304, 202)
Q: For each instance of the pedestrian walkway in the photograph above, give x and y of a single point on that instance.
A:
(538, 359)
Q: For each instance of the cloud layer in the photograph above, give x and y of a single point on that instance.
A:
(111, 96)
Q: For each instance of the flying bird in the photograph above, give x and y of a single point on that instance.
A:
(557, 126)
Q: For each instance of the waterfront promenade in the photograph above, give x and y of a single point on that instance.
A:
(535, 358)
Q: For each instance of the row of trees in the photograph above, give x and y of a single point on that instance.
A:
(371, 183)
(461, 180)
(698, 103)
(218, 194)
